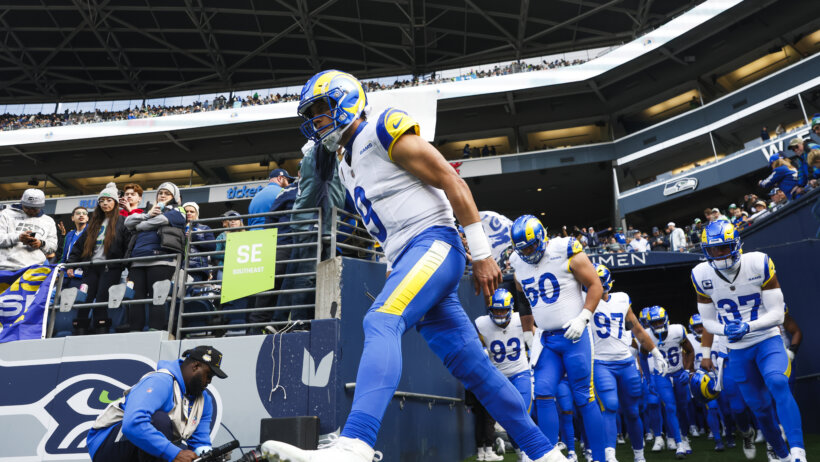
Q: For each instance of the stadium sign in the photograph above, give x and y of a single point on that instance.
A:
(235, 191)
(678, 185)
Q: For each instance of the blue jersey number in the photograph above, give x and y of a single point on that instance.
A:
(499, 351)
(533, 294)
(733, 309)
(673, 356)
(605, 326)
(371, 220)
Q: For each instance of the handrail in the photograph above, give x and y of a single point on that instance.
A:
(403, 395)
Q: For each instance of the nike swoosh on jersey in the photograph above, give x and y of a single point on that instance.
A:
(396, 125)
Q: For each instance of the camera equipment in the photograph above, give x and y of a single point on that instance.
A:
(218, 453)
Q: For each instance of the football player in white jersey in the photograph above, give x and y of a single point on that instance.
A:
(739, 296)
(501, 333)
(551, 273)
(617, 379)
(407, 194)
(672, 387)
(712, 412)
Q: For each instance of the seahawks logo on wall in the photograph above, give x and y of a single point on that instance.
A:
(48, 406)
(681, 184)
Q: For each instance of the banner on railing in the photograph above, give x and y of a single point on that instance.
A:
(250, 263)
(23, 299)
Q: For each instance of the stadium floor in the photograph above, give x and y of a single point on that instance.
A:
(702, 451)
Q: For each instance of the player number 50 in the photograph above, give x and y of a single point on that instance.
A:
(533, 293)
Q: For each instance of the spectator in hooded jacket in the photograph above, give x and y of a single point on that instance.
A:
(130, 200)
(196, 241)
(79, 216)
(783, 176)
(27, 235)
(109, 241)
(166, 212)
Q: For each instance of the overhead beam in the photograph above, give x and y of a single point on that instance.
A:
(201, 20)
(572, 20)
(174, 140)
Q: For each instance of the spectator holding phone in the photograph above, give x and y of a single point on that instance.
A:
(147, 242)
(108, 240)
(130, 200)
(27, 235)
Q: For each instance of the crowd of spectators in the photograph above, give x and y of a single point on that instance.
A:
(57, 119)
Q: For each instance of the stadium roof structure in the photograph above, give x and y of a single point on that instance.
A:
(75, 50)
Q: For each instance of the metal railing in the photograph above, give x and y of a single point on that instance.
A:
(59, 304)
(203, 290)
(350, 237)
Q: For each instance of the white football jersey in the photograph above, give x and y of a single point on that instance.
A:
(697, 347)
(671, 347)
(549, 285)
(719, 345)
(741, 299)
(497, 228)
(608, 328)
(506, 345)
(395, 206)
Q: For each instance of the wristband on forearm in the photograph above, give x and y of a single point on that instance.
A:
(477, 241)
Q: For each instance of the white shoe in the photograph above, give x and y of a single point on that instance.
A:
(572, 457)
(500, 447)
(693, 431)
(685, 443)
(658, 446)
(621, 439)
(770, 455)
(798, 455)
(561, 446)
(711, 435)
(588, 455)
(680, 453)
(491, 456)
(519, 455)
(553, 456)
(610, 455)
(648, 437)
(480, 454)
(749, 449)
(671, 444)
(760, 438)
(639, 457)
(342, 450)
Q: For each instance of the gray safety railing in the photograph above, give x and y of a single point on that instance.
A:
(209, 288)
(63, 300)
(349, 236)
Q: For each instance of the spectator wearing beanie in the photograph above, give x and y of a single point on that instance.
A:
(109, 241)
(166, 212)
(27, 235)
(130, 200)
(194, 261)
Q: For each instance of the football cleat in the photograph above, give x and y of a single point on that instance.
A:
(749, 448)
(491, 456)
(684, 441)
(680, 453)
(610, 455)
(639, 457)
(798, 455)
(770, 455)
(671, 444)
(719, 446)
(658, 446)
(341, 450)
(693, 431)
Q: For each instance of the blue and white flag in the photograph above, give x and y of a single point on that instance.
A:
(24, 296)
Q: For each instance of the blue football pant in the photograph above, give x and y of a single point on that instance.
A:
(733, 401)
(523, 383)
(566, 409)
(561, 356)
(618, 386)
(762, 373)
(424, 283)
(666, 394)
(680, 381)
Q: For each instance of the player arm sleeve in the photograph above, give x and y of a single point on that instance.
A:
(774, 309)
(708, 314)
(139, 409)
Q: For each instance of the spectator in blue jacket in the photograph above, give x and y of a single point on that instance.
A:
(142, 425)
(798, 154)
(196, 239)
(783, 176)
(166, 212)
(264, 199)
(79, 216)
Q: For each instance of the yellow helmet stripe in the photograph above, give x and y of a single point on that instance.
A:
(321, 82)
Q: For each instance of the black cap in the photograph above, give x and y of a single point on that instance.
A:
(208, 355)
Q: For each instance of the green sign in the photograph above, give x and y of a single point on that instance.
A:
(250, 263)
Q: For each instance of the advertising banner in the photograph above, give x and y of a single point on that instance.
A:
(24, 296)
(250, 263)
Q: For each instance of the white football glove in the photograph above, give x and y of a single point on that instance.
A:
(535, 346)
(576, 326)
(790, 354)
(660, 362)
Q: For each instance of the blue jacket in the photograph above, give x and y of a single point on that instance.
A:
(784, 178)
(70, 239)
(193, 260)
(262, 202)
(152, 394)
(148, 243)
(283, 202)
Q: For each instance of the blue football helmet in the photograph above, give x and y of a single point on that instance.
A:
(695, 320)
(605, 276)
(344, 96)
(721, 245)
(642, 318)
(502, 300)
(702, 386)
(658, 321)
(527, 232)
